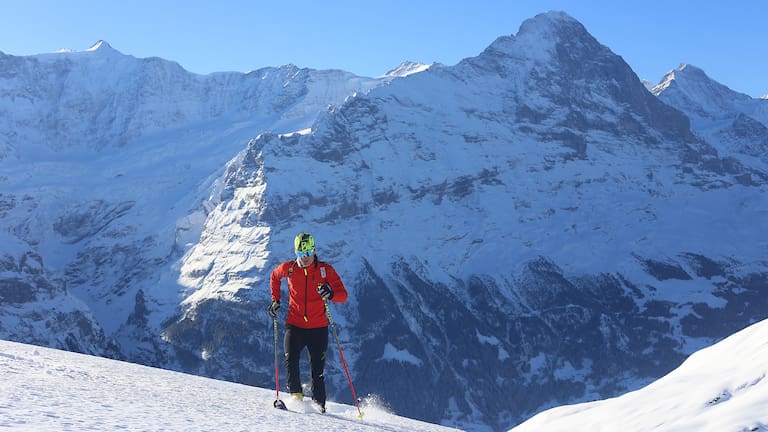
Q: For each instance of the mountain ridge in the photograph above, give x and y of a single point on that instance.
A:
(735, 121)
(592, 194)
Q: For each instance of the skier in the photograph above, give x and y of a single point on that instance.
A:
(311, 283)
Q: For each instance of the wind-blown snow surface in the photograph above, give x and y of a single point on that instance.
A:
(720, 388)
(46, 389)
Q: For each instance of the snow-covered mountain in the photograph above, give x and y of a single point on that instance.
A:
(407, 68)
(527, 228)
(735, 123)
(105, 161)
(47, 389)
(722, 387)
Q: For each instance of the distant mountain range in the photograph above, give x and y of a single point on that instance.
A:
(527, 228)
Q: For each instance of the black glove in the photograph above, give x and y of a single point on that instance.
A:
(325, 291)
(272, 309)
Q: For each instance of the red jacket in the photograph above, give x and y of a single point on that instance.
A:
(305, 306)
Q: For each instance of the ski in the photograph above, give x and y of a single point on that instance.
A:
(302, 408)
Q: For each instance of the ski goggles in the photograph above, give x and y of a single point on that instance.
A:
(303, 254)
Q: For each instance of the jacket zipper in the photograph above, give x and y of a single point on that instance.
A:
(306, 293)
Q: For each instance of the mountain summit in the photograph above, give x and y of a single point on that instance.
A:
(703, 95)
(407, 68)
(736, 123)
(554, 58)
(100, 45)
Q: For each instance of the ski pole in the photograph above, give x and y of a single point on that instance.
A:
(278, 403)
(343, 361)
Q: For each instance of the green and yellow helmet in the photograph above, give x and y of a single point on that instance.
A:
(303, 242)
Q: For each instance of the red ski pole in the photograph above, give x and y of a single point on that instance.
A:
(343, 361)
(278, 403)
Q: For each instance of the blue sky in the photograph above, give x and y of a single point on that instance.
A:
(725, 39)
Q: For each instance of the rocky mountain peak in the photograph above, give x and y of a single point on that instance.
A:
(735, 123)
(693, 81)
(101, 45)
(538, 39)
(553, 58)
(407, 68)
(705, 100)
(552, 28)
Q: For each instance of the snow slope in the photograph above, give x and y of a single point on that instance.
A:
(46, 389)
(720, 388)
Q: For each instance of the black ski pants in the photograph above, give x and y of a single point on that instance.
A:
(316, 342)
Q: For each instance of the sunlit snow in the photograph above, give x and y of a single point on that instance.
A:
(50, 390)
(720, 388)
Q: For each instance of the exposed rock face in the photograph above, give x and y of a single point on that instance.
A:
(736, 124)
(105, 160)
(526, 228)
(37, 309)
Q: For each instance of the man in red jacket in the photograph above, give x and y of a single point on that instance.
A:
(311, 283)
